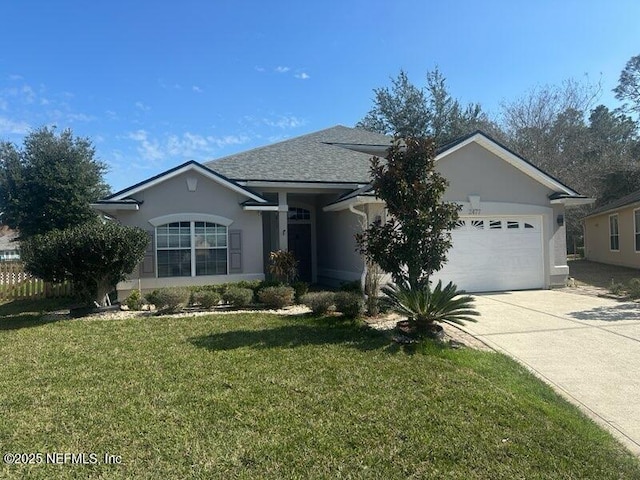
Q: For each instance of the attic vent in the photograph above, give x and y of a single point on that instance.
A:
(192, 183)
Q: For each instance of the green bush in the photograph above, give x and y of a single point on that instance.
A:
(301, 289)
(353, 286)
(633, 288)
(134, 300)
(616, 288)
(206, 298)
(319, 302)
(169, 300)
(349, 303)
(238, 296)
(95, 256)
(276, 297)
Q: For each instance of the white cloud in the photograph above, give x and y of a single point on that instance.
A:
(11, 127)
(183, 146)
(284, 121)
(302, 76)
(148, 149)
(259, 69)
(142, 106)
(15, 77)
(197, 89)
(282, 69)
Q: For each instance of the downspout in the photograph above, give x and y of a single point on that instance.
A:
(363, 223)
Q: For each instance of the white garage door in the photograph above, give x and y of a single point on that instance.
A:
(494, 254)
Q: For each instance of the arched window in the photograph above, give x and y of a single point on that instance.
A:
(186, 249)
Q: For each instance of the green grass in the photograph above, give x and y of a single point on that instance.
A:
(259, 396)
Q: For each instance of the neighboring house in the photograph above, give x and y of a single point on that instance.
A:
(217, 222)
(9, 246)
(612, 232)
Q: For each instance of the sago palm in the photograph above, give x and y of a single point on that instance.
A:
(424, 306)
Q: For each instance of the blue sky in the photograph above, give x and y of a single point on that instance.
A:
(156, 83)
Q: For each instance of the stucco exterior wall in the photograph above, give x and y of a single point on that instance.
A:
(597, 246)
(174, 197)
(338, 260)
(504, 190)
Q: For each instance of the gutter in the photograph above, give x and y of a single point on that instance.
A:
(363, 216)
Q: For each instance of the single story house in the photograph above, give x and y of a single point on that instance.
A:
(217, 222)
(612, 232)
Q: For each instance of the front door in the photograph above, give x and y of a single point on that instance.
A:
(300, 244)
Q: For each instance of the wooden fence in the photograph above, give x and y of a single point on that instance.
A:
(16, 284)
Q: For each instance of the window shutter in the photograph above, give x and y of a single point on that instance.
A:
(148, 264)
(235, 251)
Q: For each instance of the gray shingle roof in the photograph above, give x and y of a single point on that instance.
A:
(621, 202)
(315, 157)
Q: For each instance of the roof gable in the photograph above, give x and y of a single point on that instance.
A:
(508, 156)
(180, 169)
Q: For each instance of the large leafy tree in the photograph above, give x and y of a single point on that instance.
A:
(413, 241)
(95, 256)
(406, 110)
(49, 183)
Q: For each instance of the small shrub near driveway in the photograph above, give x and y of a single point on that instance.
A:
(319, 302)
(633, 288)
(169, 300)
(276, 297)
(206, 298)
(238, 297)
(350, 304)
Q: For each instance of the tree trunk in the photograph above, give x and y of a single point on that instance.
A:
(103, 288)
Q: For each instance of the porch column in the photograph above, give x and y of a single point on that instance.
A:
(283, 218)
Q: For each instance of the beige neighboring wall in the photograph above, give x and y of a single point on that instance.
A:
(173, 196)
(597, 246)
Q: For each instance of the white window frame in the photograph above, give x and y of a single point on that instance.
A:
(636, 229)
(615, 234)
(192, 218)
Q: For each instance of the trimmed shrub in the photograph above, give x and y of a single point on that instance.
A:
(353, 286)
(616, 288)
(134, 300)
(319, 302)
(206, 298)
(349, 303)
(633, 288)
(301, 289)
(169, 300)
(276, 297)
(238, 297)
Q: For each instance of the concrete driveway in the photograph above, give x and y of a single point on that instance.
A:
(587, 348)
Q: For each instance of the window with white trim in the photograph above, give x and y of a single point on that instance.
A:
(614, 235)
(193, 248)
(636, 228)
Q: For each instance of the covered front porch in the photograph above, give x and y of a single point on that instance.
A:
(319, 228)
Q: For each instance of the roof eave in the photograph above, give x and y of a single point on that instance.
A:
(352, 201)
(573, 201)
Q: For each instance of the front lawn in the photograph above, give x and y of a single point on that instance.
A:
(263, 396)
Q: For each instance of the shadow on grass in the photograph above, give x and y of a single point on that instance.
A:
(31, 313)
(624, 311)
(325, 331)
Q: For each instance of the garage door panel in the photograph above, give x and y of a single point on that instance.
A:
(492, 254)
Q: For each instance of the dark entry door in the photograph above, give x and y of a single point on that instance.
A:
(300, 245)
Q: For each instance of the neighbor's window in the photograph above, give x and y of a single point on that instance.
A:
(186, 249)
(614, 236)
(636, 223)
